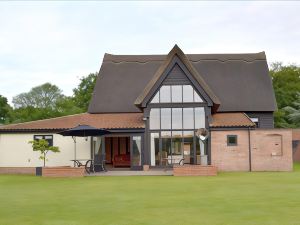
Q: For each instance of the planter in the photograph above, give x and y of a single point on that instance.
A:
(62, 171)
(146, 167)
(39, 171)
(194, 170)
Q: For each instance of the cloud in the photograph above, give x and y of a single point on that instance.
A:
(61, 41)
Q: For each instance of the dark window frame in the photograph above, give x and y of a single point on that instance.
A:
(232, 136)
(44, 137)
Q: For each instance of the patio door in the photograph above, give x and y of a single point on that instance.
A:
(136, 156)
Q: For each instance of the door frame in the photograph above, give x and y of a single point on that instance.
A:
(133, 167)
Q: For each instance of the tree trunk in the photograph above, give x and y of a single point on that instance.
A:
(44, 160)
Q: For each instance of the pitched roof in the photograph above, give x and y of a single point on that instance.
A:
(240, 81)
(105, 121)
(238, 119)
(176, 51)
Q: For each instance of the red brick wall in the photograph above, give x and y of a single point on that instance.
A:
(271, 150)
(17, 170)
(230, 158)
(194, 170)
(63, 172)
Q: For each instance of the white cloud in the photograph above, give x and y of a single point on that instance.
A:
(61, 41)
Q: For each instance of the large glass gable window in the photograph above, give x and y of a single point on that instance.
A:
(176, 94)
(172, 134)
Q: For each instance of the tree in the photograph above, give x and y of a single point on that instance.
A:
(4, 109)
(43, 147)
(43, 96)
(286, 83)
(293, 112)
(42, 102)
(83, 93)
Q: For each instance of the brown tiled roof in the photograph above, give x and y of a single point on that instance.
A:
(104, 121)
(231, 120)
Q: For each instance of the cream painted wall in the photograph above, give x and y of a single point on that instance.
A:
(16, 152)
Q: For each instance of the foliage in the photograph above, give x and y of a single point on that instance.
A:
(293, 112)
(286, 83)
(43, 147)
(47, 101)
(83, 93)
(43, 96)
(4, 109)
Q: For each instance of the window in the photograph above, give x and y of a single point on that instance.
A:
(172, 135)
(231, 140)
(176, 94)
(256, 121)
(197, 98)
(49, 138)
(155, 99)
(154, 146)
(199, 118)
(176, 118)
(166, 118)
(165, 93)
(136, 150)
(188, 93)
(155, 119)
(188, 118)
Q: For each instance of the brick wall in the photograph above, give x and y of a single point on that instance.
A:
(194, 170)
(271, 150)
(230, 158)
(17, 170)
(63, 172)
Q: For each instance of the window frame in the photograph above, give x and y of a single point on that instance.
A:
(44, 137)
(232, 136)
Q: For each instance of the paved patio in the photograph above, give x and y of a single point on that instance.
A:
(133, 173)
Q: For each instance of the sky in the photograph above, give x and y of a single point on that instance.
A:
(59, 42)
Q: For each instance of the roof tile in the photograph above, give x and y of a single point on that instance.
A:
(231, 120)
(104, 121)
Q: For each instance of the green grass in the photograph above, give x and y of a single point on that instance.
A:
(230, 198)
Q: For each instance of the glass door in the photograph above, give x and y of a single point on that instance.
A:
(136, 152)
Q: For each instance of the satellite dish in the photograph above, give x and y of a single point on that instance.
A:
(202, 133)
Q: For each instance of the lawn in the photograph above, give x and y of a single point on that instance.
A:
(230, 198)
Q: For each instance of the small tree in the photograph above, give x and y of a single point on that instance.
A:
(42, 146)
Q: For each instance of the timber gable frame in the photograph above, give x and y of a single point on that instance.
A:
(177, 57)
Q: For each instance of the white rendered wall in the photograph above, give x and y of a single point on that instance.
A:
(16, 152)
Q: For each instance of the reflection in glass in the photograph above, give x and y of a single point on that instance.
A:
(165, 93)
(188, 147)
(155, 98)
(198, 150)
(188, 118)
(136, 150)
(197, 98)
(199, 118)
(155, 119)
(176, 93)
(188, 93)
(165, 118)
(166, 147)
(176, 118)
(154, 149)
(176, 142)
